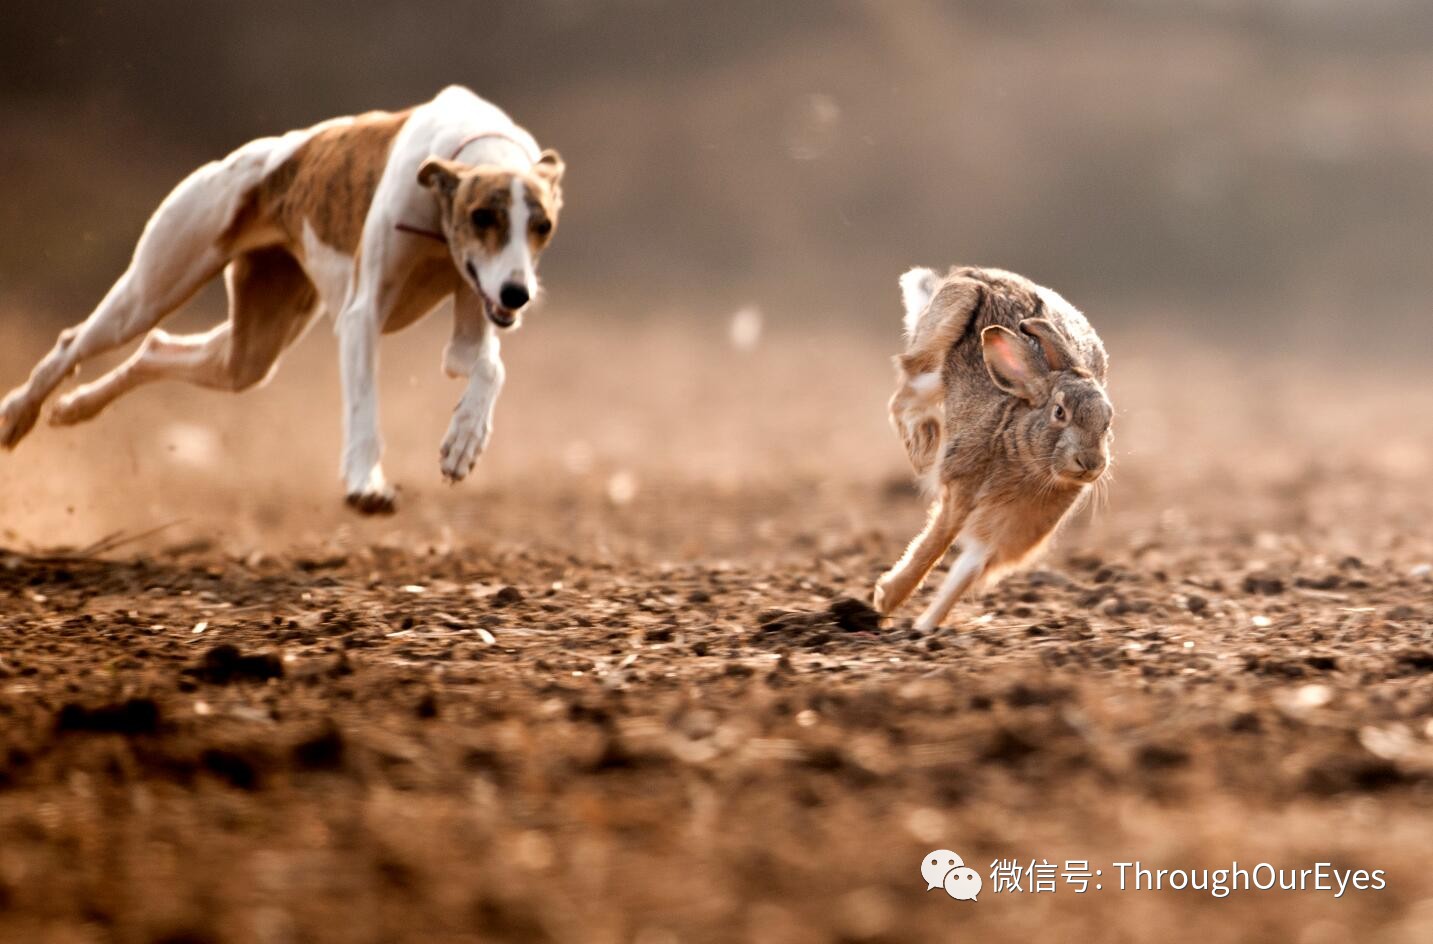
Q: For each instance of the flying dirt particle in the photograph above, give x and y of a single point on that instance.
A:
(190, 444)
(854, 616)
(622, 488)
(745, 328)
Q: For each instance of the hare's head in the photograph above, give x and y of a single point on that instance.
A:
(1062, 427)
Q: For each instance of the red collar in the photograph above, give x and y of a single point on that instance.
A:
(432, 234)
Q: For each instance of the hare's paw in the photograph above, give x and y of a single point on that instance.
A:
(883, 599)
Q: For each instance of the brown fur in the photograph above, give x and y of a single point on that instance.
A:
(919, 415)
(491, 193)
(328, 183)
(987, 433)
(427, 283)
(462, 189)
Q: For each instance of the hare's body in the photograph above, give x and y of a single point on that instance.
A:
(1001, 406)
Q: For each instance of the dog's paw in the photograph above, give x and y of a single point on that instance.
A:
(381, 502)
(17, 417)
(462, 446)
(70, 409)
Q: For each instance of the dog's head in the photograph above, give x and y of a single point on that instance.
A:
(497, 222)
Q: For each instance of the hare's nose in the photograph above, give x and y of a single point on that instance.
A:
(1090, 461)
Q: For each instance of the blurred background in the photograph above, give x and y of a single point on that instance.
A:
(1229, 189)
(1194, 166)
(1229, 659)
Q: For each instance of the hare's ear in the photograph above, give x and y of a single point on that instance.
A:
(1053, 343)
(1012, 364)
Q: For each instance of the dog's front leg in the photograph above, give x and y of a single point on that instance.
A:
(474, 352)
(363, 480)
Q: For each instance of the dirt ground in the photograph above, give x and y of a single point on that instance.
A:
(613, 687)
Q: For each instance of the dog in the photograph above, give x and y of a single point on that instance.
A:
(375, 218)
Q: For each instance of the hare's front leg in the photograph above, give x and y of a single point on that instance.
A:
(970, 564)
(947, 514)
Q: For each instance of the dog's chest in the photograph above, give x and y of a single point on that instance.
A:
(426, 282)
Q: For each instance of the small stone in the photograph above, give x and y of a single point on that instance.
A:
(507, 596)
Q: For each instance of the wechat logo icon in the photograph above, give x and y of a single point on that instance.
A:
(944, 869)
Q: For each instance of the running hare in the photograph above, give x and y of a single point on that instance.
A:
(1001, 404)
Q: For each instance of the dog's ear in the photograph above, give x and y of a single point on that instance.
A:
(550, 167)
(439, 176)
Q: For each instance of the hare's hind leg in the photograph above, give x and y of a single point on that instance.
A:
(947, 515)
(970, 564)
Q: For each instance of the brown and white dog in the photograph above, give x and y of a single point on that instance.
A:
(376, 219)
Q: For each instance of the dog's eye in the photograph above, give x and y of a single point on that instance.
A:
(1059, 413)
(483, 218)
(542, 228)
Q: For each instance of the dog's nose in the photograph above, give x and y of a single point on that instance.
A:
(513, 295)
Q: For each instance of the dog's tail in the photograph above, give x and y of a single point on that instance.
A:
(918, 287)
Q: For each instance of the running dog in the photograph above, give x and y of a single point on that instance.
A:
(375, 218)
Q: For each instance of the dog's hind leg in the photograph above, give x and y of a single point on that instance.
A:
(271, 301)
(182, 247)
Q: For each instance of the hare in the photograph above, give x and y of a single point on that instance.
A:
(1002, 407)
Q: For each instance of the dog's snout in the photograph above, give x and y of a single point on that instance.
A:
(513, 295)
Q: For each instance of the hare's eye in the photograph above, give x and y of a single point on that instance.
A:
(1059, 413)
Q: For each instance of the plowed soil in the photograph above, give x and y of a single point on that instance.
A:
(622, 686)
